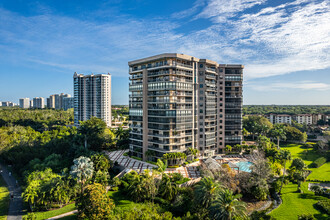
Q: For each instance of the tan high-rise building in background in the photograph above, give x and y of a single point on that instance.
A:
(38, 102)
(24, 103)
(178, 101)
(92, 97)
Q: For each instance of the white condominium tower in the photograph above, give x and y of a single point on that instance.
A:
(24, 103)
(92, 97)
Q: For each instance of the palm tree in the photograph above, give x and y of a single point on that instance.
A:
(161, 166)
(206, 191)
(167, 189)
(227, 206)
(279, 133)
(193, 152)
(82, 170)
(284, 156)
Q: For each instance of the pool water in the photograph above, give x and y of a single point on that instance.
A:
(244, 166)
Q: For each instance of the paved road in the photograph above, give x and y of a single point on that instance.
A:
(16, 204)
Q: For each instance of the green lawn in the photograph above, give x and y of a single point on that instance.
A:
(295, 203)
(4, 199)
(298, 150)
(121, 201)
(52, 213)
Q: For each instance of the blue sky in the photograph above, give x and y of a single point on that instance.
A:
(284, 45)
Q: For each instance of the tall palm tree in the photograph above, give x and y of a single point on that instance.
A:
(284, 156)
(206, 191)
(279, 133)
(227, 206)
(161, 166)
(167, 189)
(82, 170)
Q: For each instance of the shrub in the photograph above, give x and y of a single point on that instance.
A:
(136, 158)
(176, 166)
(30, 216)
(317, 190)
(306, 217)
(318, 162)
(324, 206)
(125, 154)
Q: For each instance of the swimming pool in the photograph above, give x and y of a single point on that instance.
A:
(244, 166)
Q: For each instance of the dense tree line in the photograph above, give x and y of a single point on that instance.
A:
(38, 119)
(285, 109)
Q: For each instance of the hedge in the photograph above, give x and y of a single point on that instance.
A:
(324, 206)
(318, 162)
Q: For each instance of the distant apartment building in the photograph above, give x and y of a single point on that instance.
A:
(38, 102)
(24, 103)
(8, 104)
(178, 101)
(279, 118)
(67, 103)
(92, 97)
(303, 119)
(56, 101)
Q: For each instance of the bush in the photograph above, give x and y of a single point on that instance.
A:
(324, 206)
(306, 217)
(136, 158)
(176, 166)
(30, 216)
(318, 162)
(125, 154)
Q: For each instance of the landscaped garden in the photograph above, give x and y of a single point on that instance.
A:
(295, 203)
(4, 199)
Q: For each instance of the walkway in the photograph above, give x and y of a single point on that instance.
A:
(63, 215)
(16, 203)
(190, 171)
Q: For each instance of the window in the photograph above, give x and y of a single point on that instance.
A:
(201, 65)
(201, 86)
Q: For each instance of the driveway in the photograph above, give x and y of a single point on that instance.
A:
(16, 203)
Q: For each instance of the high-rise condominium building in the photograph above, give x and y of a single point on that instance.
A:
(38, 102)
(178, 101)
(67, 103)
(92, 97)
(57, 101)
(24, 103)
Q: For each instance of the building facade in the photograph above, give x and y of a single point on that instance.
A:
(178, 101)
(67, 103)
(279, 118)
(38, 102)
(24, 103)
(92, 97)
(56, 101)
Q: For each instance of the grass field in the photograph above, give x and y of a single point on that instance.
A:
(4, 199)
(121, 204)
(52, 213)
(295, 203)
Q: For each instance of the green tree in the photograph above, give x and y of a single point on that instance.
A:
(82, 170)
(278, 132)
(167, 189)
(227, 206)
(257, 125)
(284, 156)
(93, 132)
(94, 203)
(205, 191)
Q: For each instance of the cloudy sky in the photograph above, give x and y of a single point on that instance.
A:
(284, 45)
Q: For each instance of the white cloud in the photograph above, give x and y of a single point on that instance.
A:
(221, 10)
(279, 86)
(293, 36)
